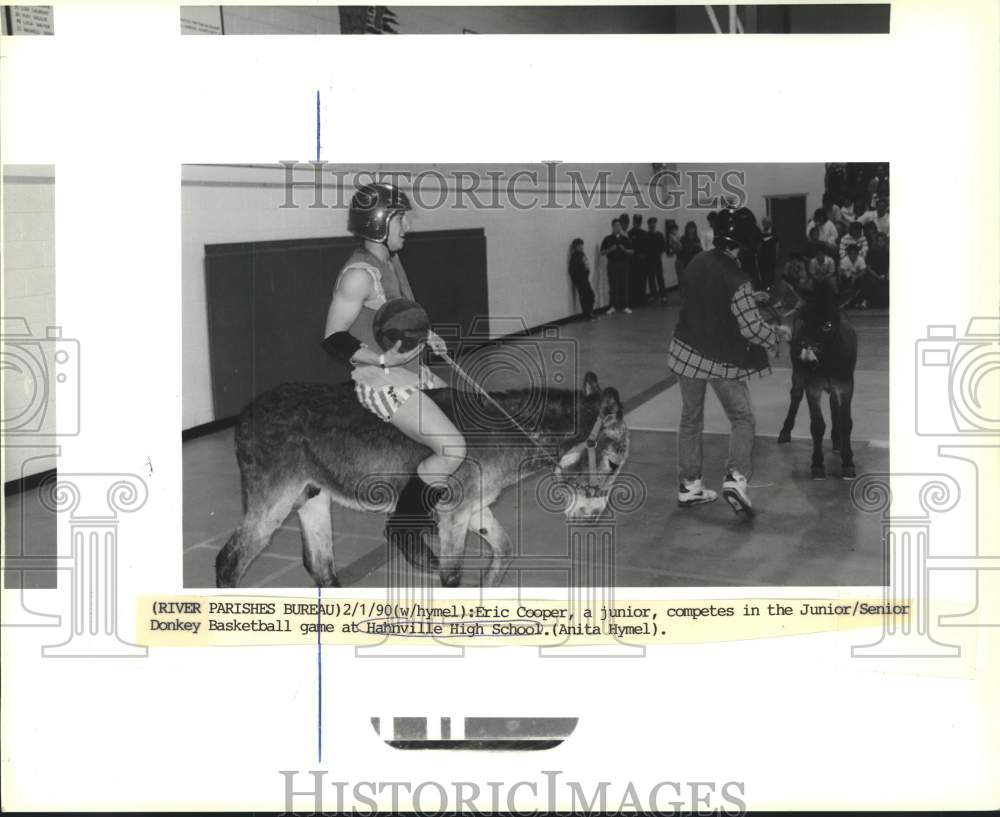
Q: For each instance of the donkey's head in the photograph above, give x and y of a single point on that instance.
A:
(588, 468)
(816, 336)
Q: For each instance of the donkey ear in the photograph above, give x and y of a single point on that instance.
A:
(611, 404)
(590, 384)
(571, 457)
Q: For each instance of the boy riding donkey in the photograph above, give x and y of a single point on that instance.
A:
(390, 384)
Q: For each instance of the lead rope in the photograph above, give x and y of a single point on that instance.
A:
(592, 479)
(483, 393)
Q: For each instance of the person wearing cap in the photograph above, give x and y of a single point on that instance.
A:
(390, 383)
(720, 341)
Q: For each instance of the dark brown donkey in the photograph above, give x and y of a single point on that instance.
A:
(305, 446)
(824, 351)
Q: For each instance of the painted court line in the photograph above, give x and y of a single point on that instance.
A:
(212, 539)
(869, 443)
(206, 542)
(648, 394)
(265, 582)
(707, 581)
(282, 556)
(210, 542)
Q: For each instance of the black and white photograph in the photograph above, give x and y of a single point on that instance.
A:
(489, 350)
(500, 408)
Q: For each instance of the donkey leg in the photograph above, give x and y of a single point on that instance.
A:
(317, 540)
(835, 426)
(266, 510)
(496, 537)
(793, 408)
(817, 427)
(846, 427)
(452, 528)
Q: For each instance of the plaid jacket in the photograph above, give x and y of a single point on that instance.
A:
(686, 361)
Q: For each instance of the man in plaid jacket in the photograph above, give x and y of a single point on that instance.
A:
(720, 340)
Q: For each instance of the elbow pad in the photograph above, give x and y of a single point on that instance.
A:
(341, 346)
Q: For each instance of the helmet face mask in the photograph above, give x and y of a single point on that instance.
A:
(373, 207)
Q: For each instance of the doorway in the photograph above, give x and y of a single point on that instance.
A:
(788, 220)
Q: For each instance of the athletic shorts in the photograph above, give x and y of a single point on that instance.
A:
(383, 401)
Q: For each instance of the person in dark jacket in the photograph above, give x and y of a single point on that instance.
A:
(637, 272)
(690, 247)
(673, 241)
(618, 251)
(876, 285)
(720, 341)
(579, 273)
(767, 257)
(655, 246)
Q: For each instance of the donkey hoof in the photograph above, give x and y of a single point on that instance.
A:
(848, 472)
(818, 472)
(784, 437)
(328, 582)
(451, 579)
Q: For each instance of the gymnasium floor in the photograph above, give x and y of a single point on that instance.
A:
(807, 533)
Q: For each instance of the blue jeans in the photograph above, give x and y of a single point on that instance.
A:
(734, 395)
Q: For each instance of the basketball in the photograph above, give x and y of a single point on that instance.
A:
(400, 320)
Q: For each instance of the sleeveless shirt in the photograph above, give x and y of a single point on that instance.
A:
(389, 281)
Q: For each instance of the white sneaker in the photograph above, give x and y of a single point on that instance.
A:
(627, 311)
(734, 491)
(611, 310)
(692, 492)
